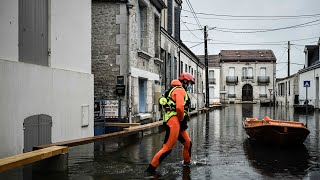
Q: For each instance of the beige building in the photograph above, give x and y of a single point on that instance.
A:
(247, 75)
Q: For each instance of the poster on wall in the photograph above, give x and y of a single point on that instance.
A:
(111, 108)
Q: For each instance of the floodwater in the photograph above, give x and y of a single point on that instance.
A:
(220, 150)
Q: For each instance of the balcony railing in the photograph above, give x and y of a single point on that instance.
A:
(263, 80)
(231, 95)
(243, 78)
(232, 80)
(212, 80)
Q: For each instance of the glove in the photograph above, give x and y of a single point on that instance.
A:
(183, 123)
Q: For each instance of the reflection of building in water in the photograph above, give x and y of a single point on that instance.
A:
(247, 110)
(273, 160)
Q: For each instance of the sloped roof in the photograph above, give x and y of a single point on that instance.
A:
(247, 55)
(213, 60)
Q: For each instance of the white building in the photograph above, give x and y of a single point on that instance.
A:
(310, 75)
(247, 75)
(287, 90)
(213, 78)
(46, 85)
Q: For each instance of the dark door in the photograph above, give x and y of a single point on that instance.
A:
(247, 93)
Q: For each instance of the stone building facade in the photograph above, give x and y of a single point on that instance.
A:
(248, 75)
(126, 43)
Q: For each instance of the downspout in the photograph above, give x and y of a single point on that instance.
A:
(129, 96)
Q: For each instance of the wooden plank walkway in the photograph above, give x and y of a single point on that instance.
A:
(117, 124)
(30, 157)
(125, 132)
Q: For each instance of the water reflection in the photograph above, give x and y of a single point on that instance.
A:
(271, 160)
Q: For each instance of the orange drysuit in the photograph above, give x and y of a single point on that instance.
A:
(173, 132)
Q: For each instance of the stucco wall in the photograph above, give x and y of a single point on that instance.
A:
(28, 90)
(59, 90)
(9, 22)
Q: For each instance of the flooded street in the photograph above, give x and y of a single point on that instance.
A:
(220, 150)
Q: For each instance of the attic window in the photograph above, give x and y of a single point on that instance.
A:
(237, 52)
(261, 55)
(260, 52)
(238, 55)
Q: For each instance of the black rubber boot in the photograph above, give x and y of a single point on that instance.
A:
(150, 170)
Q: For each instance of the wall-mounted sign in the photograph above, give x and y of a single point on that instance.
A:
(120, 80)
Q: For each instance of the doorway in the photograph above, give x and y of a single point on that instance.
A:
(247, 93)
(142, 95)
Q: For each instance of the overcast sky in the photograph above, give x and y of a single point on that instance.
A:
(310, 32)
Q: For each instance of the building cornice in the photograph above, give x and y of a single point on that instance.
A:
(172, 39)
(159, 4)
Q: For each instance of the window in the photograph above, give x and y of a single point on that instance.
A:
(231, 92)
(186, 70)
(211, 73)
(231, 71)
(181, 67)
(189, 69)
(211, 77)
(168, 71)
(263, 71)
(289, 88)
(263, 91)
(177, 23)
(163, 58)
(170, 9)
(175, 68)
(247, 73)
(142, 26)
(281, 89)
(211, 92)
(156, 35)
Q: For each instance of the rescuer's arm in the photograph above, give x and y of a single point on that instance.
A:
(178, 96)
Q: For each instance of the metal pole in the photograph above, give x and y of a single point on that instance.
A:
(119, 109)
(307, 106)
(206, 64)
(288, 58)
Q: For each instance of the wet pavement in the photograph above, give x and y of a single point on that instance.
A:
(220, 150)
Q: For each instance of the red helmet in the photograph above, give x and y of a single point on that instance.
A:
(187, 76)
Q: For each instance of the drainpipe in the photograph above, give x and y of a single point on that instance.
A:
(129, 96)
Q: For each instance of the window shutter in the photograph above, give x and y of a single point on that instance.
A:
(177, 23)
(170, 17)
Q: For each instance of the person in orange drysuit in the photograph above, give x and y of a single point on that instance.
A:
(175, 120)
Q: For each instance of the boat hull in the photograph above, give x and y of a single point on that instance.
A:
(276, 132)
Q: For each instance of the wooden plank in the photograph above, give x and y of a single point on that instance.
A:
(145, 126)
(118, 124)
(30, 157)
(126, 132)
